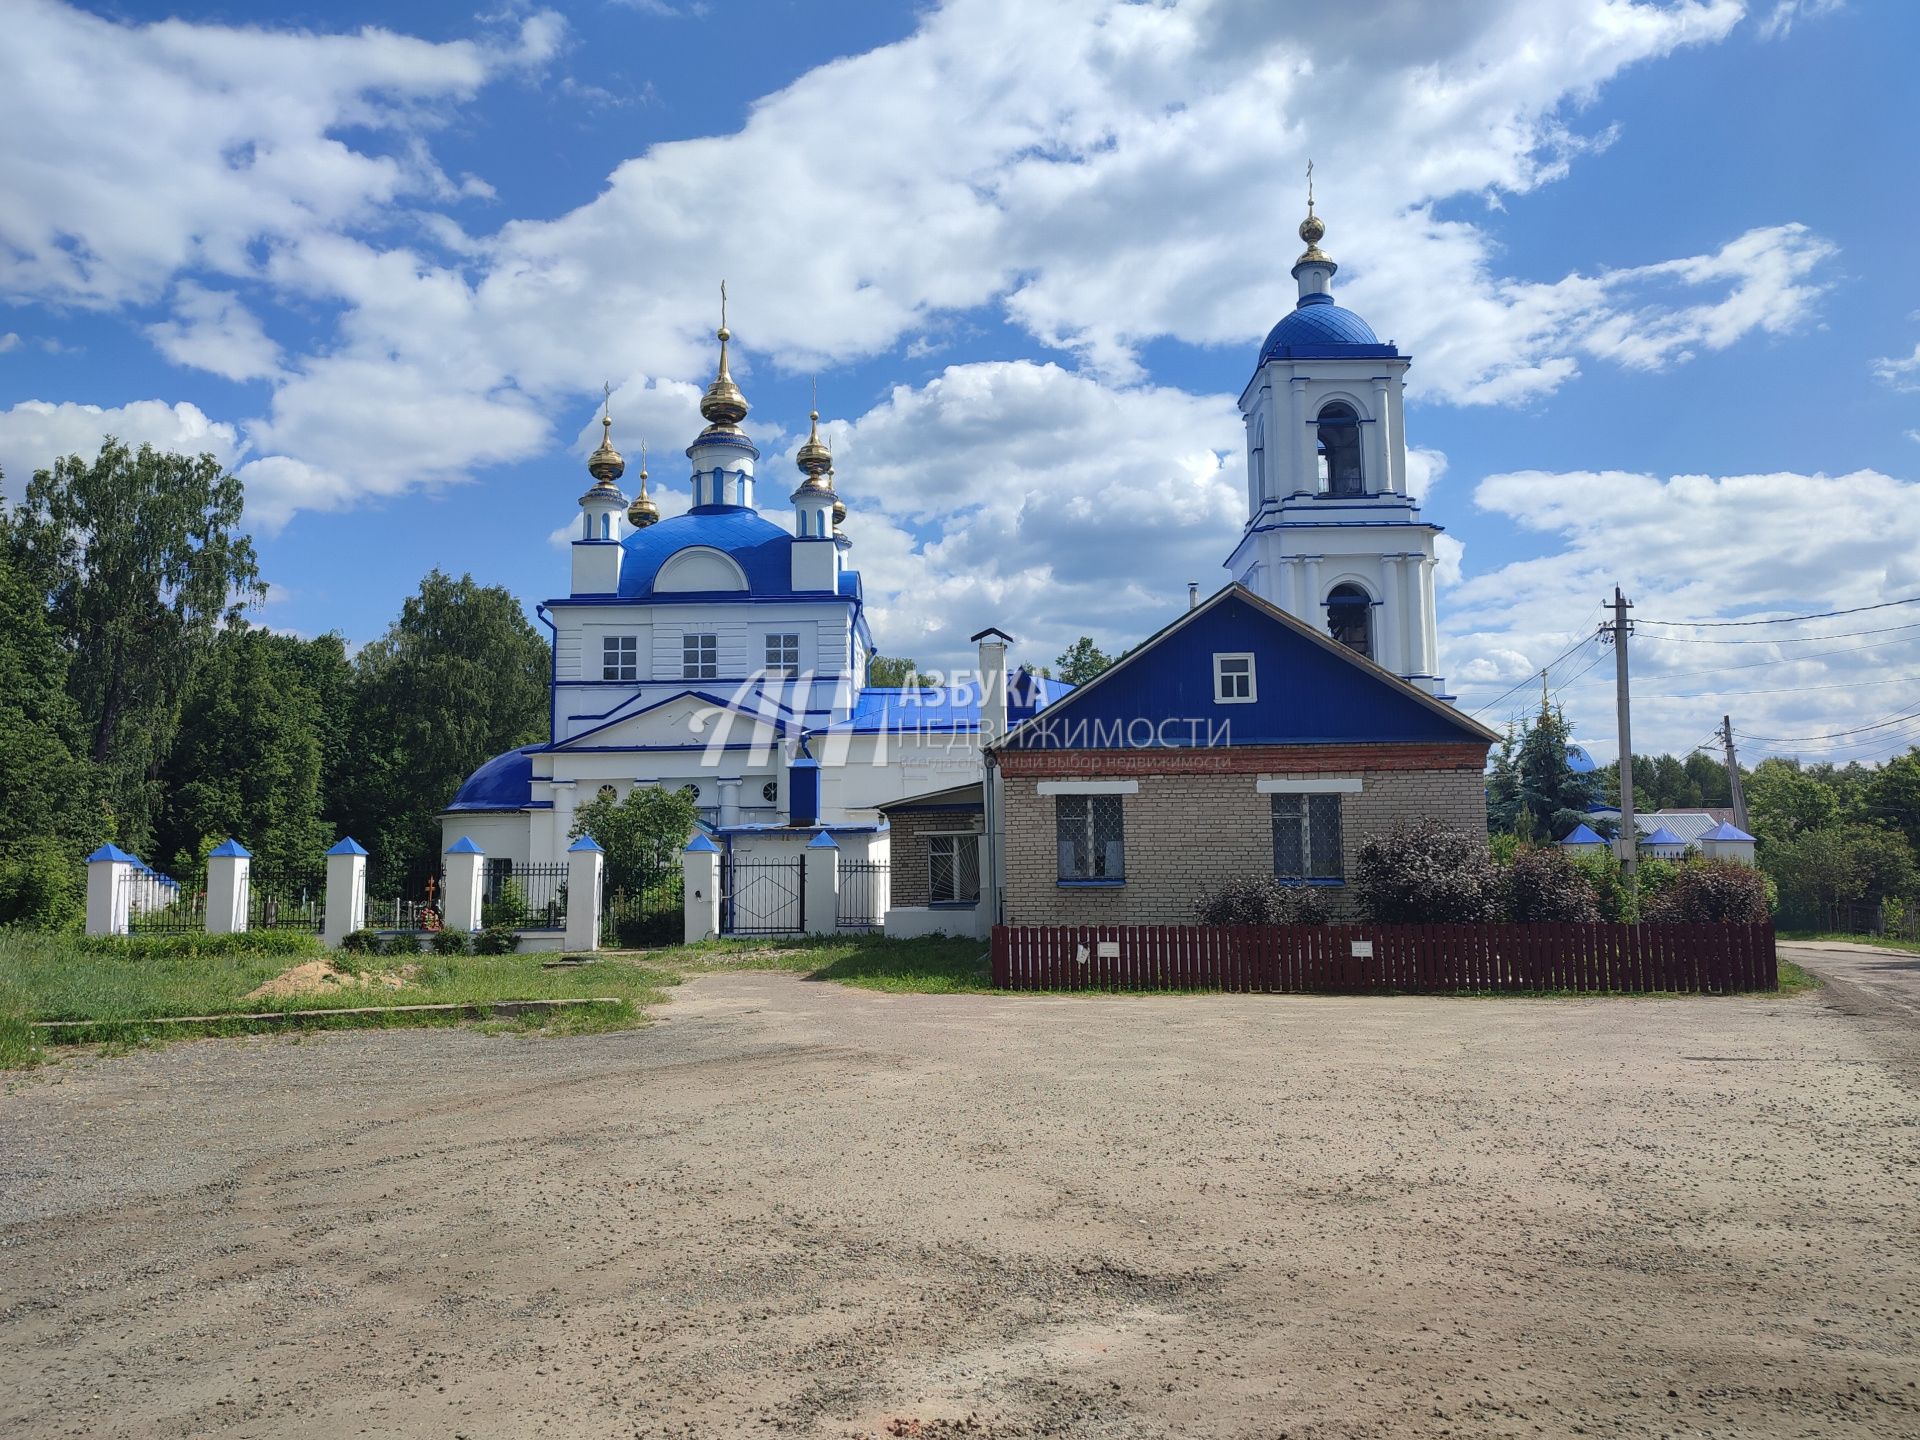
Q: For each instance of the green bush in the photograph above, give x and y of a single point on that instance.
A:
(196, 944)
(449, 942)
(1611, 894)
(1420, 872)
(1261, 900)
(649, 930)
(1711, 892)
(496, 940)
(401, 945)
(507, 909)
(42, 887)
(1546, 887)
(361, 942)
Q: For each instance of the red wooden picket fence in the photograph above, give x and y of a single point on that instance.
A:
(1405, 959)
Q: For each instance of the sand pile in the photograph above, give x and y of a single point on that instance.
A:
(321, 977)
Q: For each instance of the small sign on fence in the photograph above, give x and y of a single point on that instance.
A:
(1363, 949)
(1108, 949)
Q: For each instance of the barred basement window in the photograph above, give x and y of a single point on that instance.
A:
(700, 657)
(783, 654)
(620, 657)
(1090, 834)
(1306, 838)
(953, 869)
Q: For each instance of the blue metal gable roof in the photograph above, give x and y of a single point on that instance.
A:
(899, 710)
(1307, 692)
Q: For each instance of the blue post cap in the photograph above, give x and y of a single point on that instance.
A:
(464, 846)
(701, 845)
(111, 852)
(585, 842)
(823, 841)
(229, 849)
(348, 846)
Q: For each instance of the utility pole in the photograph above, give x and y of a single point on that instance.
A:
(1627, 843)
(1733, 775)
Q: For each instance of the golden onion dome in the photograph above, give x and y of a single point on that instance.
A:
(606, 464)
(1312, 230)
(643, 512)
(814, 456)
(723, 404)
(839, 512)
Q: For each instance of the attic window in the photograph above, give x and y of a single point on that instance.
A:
(1233, 682)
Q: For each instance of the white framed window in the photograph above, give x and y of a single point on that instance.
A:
(699, 657)
(1090, 832)
(620, 657)
(1306, 836)
(953, 869)
(783, 654)
(1233, 680)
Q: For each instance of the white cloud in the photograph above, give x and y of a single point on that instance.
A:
(9, 341)
(1695, 547)
(213, 331)
(1901, 372)
(1778, 22)
(33, 434)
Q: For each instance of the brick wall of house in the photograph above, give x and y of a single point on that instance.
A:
(1184, 833)
(907, 877)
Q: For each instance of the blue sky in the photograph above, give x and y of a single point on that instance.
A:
(1652, 262)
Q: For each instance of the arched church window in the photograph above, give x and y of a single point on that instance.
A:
(1257, 465)
(1339, 434)
(1350, 618)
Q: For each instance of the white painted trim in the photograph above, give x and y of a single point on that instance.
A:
(1253, 679)
(1089, 787)
(1332, 785)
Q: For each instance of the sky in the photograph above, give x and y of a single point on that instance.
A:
(1652, 261)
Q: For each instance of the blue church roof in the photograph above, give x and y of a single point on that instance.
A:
(1726, 831)
(503, 783)
(756, 544)
(1662, 836)
(1583, 835)
(1319, 329)
(912, 709)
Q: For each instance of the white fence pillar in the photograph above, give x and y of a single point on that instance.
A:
(465, 892)
(700, 905)
(346, 891)
(586, 872)
(229, 883)
(109, 871)
(823, 884)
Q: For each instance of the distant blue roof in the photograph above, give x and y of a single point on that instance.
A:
(1319, 329)
(503, 783)
(1726, 831)
(1583, 835)
(1579, 761)
(907, 709)
(1662, 836)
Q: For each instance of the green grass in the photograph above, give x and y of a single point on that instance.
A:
(1881, 942)
(1794, 980)
(112, 991)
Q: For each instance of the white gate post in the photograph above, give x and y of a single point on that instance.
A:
(586, 870)
(823, 884)
(346, 891)
(108, 871)
(229, 878)
(464, 891)
(700, 900)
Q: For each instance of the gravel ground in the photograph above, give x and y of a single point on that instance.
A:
(796, 1208)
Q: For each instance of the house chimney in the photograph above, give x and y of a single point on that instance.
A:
(1193, 594)
(993, 683)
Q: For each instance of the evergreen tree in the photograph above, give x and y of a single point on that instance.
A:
(1553, 796)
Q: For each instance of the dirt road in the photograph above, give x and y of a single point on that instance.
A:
(790, 1208)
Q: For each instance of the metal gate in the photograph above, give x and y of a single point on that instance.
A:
(763, 897)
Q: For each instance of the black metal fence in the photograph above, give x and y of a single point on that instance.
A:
(527, 897)
(645, 916)
(763, 897)
(285, 900)
(157, 904)
(863, 894)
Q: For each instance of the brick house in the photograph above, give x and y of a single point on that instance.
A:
(938, 855)
(1237, 741)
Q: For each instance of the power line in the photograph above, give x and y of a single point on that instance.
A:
(1533, 675)
(1786, 619)
(1782, 659)
(1784, 689)
(1782, 640)
(1834, 734)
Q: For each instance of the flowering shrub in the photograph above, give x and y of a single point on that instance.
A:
(1261, 900)
(1420, 872)
(1710, 892)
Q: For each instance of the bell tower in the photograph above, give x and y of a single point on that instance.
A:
(1331, 535)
